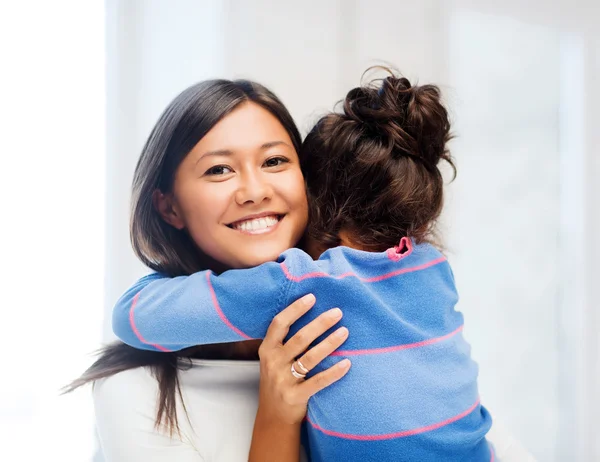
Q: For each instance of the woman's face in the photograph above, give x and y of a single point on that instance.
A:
(240, 192)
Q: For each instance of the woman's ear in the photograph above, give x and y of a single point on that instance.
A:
(165, 204)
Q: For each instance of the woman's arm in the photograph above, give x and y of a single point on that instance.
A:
(169, 314)
(273, 441)
(283, 398)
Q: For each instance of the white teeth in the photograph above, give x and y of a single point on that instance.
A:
(258, 224)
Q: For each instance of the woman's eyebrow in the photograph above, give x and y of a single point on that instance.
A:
(228, 152)
(218, 152)
(271, 144)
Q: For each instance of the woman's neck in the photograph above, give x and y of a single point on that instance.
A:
(315, 249)
(247, 350)
(347, 240)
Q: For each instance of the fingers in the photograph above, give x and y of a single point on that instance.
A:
(319, 352)
(281, 323)
(324, 379)
(317, 327)
(284, 376)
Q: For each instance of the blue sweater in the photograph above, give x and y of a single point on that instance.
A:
(411, 394)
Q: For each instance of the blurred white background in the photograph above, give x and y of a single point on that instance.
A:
(82, 83)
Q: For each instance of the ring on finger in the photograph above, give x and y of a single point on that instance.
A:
(295, 373)
(301, 368)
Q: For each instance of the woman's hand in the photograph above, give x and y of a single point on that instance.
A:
(282, 397)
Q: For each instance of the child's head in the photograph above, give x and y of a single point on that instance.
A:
(371, 170)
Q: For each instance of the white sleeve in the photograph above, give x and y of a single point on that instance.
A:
(508, 448)
(125, 406)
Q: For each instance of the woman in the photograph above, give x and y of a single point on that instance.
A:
(180, 212)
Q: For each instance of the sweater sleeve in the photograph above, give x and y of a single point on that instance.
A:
(168, 314)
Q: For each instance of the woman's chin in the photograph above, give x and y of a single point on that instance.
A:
(258, 254)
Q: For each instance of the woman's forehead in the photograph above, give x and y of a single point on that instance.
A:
(248, 128)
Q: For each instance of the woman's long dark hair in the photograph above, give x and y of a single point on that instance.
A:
(161, 247)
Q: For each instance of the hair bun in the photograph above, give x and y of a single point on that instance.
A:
(410, 120)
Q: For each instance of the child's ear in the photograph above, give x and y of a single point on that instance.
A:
(167, 208)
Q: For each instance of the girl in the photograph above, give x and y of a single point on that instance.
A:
(375, 192)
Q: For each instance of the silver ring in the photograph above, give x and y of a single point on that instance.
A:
(296, 373)
(303, 369)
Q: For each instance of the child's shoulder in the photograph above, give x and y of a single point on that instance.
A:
(424, 250)
(342, 260)
(406, 251)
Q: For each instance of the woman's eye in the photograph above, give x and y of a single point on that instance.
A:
(218, 170)
(275, 161)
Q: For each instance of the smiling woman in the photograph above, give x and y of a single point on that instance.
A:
(230, 188)
(218, 185)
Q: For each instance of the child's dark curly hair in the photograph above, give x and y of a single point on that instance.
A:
(371, 170)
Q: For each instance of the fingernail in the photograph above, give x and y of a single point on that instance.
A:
(341, 332)
(343, 364)
(308, 299)
(335, 313)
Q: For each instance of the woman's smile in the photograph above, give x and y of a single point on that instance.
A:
(261, 223)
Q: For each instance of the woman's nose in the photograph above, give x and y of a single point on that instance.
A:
(253, 189)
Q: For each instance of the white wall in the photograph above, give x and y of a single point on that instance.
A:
(503, 229)
(52, 111)
(592, 193)
(516, 76)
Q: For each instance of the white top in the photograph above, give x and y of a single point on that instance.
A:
(221, 398)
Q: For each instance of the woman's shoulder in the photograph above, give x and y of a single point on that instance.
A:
(139, 387)
(134, 384)
(126, 406)
(129, 396)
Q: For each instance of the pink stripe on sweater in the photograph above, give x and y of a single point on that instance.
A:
(291, 277)
(390, 349)
(220, 312)
(135, 329)
(402, 434)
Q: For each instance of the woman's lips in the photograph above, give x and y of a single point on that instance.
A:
(256, 226)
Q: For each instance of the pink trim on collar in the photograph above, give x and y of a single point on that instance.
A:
(403, 249)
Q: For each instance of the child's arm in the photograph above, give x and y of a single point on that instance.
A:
(168, 314)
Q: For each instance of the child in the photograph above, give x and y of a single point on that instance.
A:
(375, 192)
